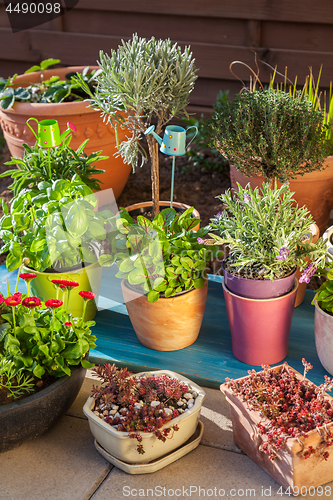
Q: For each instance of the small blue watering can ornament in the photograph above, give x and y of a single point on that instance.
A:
(173, 144)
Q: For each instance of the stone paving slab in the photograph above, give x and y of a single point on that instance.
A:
(206, 472)
(60, 465)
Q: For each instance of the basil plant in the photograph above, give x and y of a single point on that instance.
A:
(53, 227)
(161, 257)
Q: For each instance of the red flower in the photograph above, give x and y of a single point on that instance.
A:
(86, 295)
(54, 303)
(2, 299)
(31, 302)
(65, 283)
(28, 276)
(68, 324)
(17, 295)
(13, 301)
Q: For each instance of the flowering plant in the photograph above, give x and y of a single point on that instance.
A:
(290, 406)
(266, 233)
(38, 338)
(138, 405)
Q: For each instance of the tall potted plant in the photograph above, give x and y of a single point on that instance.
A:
(45, 93)
(164, 282)
(272, 135)
(265, 234)
(143, 81)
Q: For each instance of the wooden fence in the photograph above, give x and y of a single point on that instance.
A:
(295, 34)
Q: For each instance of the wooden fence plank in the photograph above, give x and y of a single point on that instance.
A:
(213, 60)
(277, 10)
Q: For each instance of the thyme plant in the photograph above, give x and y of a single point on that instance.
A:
(266, 232)
(143, 81)
(270, 133)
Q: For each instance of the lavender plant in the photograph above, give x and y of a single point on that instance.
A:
(266, 233)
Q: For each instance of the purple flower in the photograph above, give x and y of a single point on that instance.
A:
(308, 272)
(283, 253)
(247, 198)
(200, 240)
(219, 214)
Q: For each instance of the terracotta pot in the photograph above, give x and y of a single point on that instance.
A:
(324, 338)
(119, 445)
(88, 122)
(89, 279)
(258, 289)
(314, 189)
(290, 468)
(170, 323)
(145, 206)
(33, 415)
(260, 327)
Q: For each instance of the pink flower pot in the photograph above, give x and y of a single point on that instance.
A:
(260, 327)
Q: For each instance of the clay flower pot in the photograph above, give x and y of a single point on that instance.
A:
(88, 122)
(35, 414)
(143, 207)
(170, 323)
(324, 337)
(119, 445)
(260, 327)
(89, 279)
(313, 189)
(290, 469)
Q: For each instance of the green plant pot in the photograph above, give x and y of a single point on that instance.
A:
(89, 278)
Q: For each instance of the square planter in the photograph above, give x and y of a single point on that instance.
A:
(119, 445)
(290, 469)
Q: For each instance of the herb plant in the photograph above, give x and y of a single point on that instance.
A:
(16, 383)
(42, 338)
(160, 257)
(324, 294)
(140, 404)
(143, 80)
(271, 134)
(265, 233)
(52, 225)
(39, 164)
(289, 407)
(52, 90)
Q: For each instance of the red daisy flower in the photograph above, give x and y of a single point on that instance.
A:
(54, 303)
(13, 301)
(2, 299)
(28, 276)
(70, 284)
(31, 302)
(68, 324)
(87, 295)
(17, 295)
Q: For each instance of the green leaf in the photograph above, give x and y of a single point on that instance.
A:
(13, 262)
(86, 364)
(153, 296)
(73, 351)
(49, 62)
(187, 263)
(136, 277)
(106, 260)
(38, 371)
(76, 220)
(169, 292)
(199, 283)
(126, 265)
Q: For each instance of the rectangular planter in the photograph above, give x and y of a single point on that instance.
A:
(122, 447)
(290, 468)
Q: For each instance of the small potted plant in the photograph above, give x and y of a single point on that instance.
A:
(284, 423)
(51, 93)
(43, 357)
(271, 135)
(53, 228)
(323, 301)
(162, 264)
(144, 80)
(266, 235)
(139, 418)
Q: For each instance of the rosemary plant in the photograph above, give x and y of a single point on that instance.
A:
(265, 232)
(143, 81)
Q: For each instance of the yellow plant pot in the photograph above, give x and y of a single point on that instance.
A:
(89, 279)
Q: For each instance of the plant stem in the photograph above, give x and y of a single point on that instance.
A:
(18, 277)
(14, 320)
(84, 309)
(8, 291)
(154, 172)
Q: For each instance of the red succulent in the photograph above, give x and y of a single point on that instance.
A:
(54, 303)
(31, 302)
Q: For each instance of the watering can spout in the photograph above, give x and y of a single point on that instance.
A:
(150, 130)
(71, 128)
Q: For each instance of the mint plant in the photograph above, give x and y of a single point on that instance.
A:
(144, 80)
(265, 231)
(161, 257)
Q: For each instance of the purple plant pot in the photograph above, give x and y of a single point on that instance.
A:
(260, 327)
(258, 289)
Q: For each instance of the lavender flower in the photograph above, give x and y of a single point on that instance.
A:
(200, 240)
(247, 198)
(283, 253)
(308, 272)
(218, 215)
